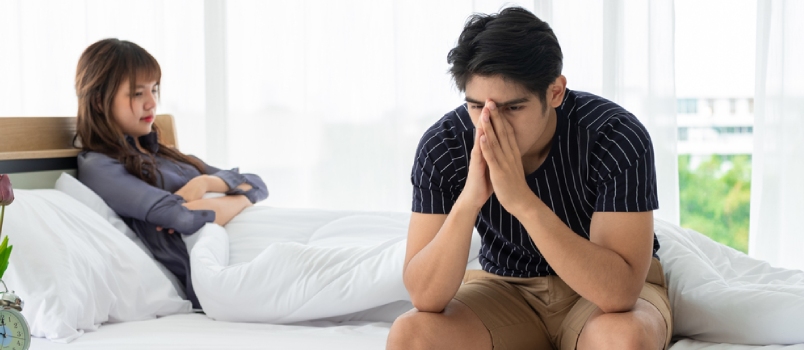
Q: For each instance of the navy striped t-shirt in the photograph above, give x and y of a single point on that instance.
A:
(601, 159)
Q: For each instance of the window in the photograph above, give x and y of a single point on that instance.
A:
(683, 134)
(715, 88)
(687, 105)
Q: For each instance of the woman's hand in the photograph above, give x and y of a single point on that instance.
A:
(195, 188)
(245, 186)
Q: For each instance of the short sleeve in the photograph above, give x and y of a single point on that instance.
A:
(626, 169)
(432, 192)
(441, 164)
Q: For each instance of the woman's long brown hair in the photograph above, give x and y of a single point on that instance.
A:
(102, 69)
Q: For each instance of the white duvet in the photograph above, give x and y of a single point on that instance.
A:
(721, 295)
(289, 265)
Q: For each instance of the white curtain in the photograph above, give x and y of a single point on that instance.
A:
(327, 100)
(41, 41)
(624, 51)
(776, 185)
(335, 96)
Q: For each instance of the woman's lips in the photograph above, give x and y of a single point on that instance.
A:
(148, 119)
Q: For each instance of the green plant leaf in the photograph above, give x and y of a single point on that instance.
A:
(6, 253)
(4, 259)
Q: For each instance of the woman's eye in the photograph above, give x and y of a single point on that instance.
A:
(138, 94)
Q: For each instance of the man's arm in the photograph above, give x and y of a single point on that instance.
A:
(438, 244)
(610, 268)
(435, 260)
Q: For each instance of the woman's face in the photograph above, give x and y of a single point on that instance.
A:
(134, 111)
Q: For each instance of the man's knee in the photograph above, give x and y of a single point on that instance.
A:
(409, 331)
(614, 331)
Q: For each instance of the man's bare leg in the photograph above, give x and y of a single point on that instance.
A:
(457, 327)
(641, 328)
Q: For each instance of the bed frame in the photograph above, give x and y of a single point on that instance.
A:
(34, 151)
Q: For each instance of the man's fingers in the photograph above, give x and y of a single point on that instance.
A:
(489, 130)
(478, 134)
(509, 131)
(488, 152)
(159, 228)
(504, 132)
(477, 149)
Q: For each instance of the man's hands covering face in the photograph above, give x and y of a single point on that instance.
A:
(502, 158)
(478, 185)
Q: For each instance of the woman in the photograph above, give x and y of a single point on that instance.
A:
(156, 189)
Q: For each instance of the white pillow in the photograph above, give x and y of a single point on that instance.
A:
(71, 186)
(75, 271)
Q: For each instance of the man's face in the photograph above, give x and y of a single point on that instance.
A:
(521, 108)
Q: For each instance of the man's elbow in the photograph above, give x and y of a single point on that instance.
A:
(622, 302)
(424, 300)
(617, 307)
(425, 304)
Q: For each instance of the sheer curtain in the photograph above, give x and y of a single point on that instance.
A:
(776, 185)
(41, 41)
(624, 51)
(328, 100)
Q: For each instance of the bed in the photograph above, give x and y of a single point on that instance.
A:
(720, 297)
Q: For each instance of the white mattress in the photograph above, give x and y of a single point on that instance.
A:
(197, 331)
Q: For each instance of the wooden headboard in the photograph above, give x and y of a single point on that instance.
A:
(35, 150)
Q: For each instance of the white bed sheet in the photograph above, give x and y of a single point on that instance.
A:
(689, 344)
(196, 331)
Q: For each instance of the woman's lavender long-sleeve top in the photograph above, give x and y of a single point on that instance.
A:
(144, 207)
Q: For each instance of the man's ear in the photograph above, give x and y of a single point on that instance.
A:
(556, 91)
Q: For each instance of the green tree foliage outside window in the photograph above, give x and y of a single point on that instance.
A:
(715, 197)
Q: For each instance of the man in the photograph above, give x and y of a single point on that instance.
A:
(560, 185)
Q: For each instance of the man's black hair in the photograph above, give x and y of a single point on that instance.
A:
(514, 44)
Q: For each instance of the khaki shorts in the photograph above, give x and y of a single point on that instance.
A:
(543, 312)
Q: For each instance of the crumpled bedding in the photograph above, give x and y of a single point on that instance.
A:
(721, 295)
(289, 265)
